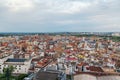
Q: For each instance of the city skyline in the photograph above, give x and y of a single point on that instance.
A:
(59, 16)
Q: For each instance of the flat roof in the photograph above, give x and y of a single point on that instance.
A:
(47, 75)
(16, 60)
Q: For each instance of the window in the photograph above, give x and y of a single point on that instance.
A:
(25, 69)
(5, 65)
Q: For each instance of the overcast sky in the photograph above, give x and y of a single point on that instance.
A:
(59, 15)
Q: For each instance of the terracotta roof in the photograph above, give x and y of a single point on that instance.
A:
(95, 69)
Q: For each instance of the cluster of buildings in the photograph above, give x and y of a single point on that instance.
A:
(60, 56)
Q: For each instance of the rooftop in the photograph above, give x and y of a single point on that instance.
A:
(91, 77)
(47, 75)
(16, 60)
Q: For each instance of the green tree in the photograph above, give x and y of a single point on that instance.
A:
(7, 72)
(21, 76)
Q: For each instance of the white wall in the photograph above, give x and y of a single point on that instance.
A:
(19, 68)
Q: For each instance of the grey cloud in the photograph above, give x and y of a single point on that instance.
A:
(55, 15)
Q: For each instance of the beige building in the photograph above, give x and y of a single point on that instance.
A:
(92, 77)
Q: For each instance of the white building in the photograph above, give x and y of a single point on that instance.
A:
(21, 65)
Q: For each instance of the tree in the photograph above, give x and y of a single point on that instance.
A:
(22, 76)
(7, 72)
